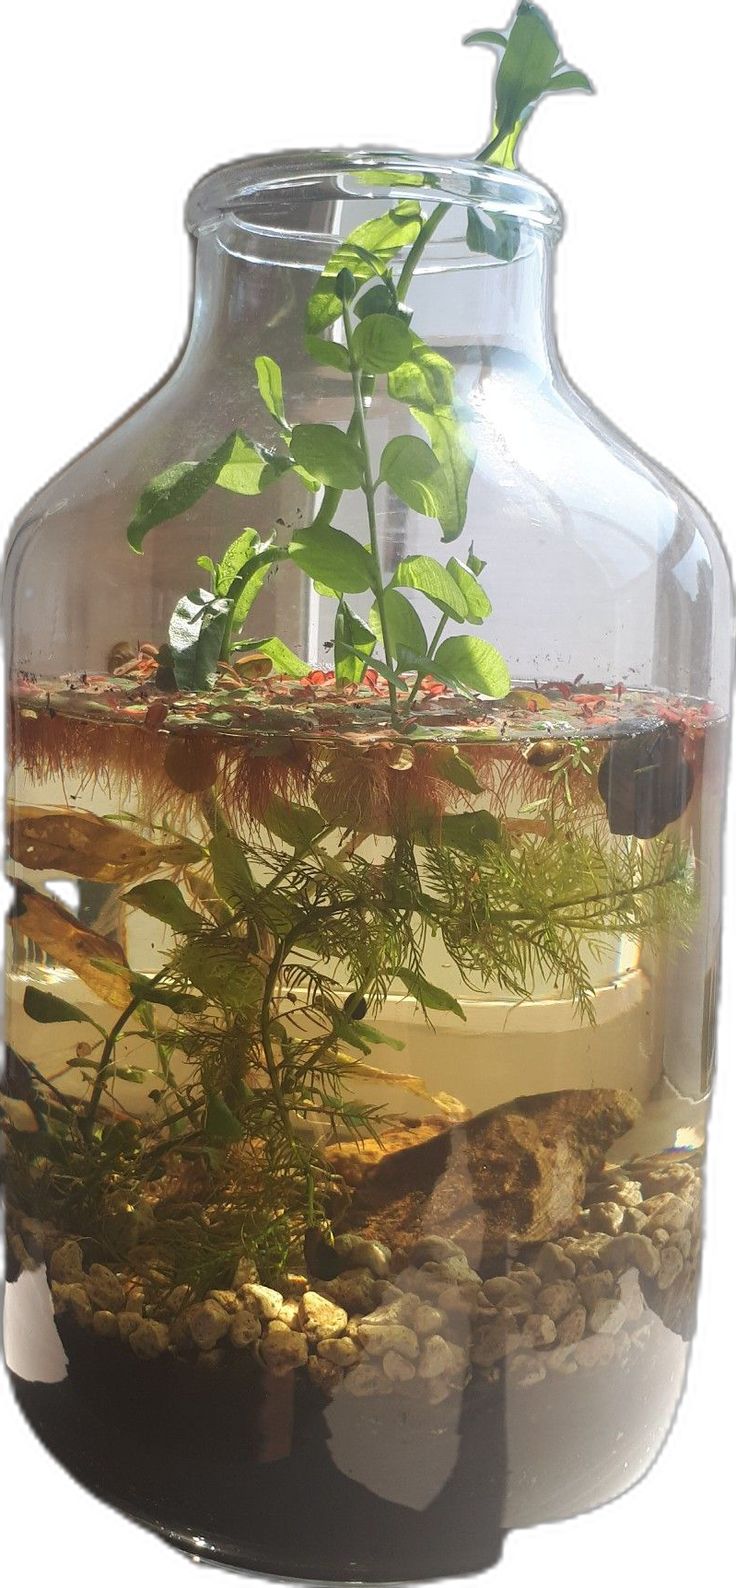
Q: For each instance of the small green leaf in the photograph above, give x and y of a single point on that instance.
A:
(359, 1034)
(381, 342)
(453, 769)
(250, 580)
(249, 468)
(455, 454)
(365, 252)
(528, 62)
(475, 563)
(497, 235)
(271, 388)
(476, 600)
(325, 352)
(296, 825)
(284, 660)
(232, 875)
(428, 576)
(411, 469)
(405, 625)
(233, 559)
(47, 1009)
(221, 1125)
(228, 979)
(490, 38)
(177, 489)
(208, 566)
(328, 454)
(425, 381)
(196, 633)
(333, 558)
(471, 831)
(380, 299)
(476, 664)
(163, 900)
(570, 80)
(351, 635)
(429, 996)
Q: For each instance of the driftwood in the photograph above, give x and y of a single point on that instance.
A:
(514, 1174)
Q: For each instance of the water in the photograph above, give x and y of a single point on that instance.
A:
(387, 1133)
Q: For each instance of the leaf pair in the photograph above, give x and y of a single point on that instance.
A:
(531, 67)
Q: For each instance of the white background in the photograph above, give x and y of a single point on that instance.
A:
(109, 114)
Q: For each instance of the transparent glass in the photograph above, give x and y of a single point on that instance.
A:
(347, 1301)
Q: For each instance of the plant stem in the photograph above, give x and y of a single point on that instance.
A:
(436, 637)
(370, 502)
(107, 1052)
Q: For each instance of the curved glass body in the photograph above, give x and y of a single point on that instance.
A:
(359, 1188)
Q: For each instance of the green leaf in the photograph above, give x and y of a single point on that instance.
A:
(478, 605)
(47, 1009)
(351, 635)
(426, 380)
(453, 769)
(235, 556)
(471, 831)
(164, 901)
(490, 38)
(249, 468)
(328, 454)
(389, 673)
(475, 563)
(429, 996)
(174, 491)
(325, 352)
(570, 80)
(221, 1125)
(455, 454)
(380, 299)
(296, 825)
(359, 1034)
(411, 469)
(233, 877)
(381, 342)
(528, 62)
(271, 388)
(476, 664)
(333, 558)
(428, 576)
(227, 978)
(405, 625)
(208, 566)
(196, 633)
(250, 580)
(365, 252)
(497, 235)
(284, 660)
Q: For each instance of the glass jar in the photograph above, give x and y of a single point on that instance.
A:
(354, 1204)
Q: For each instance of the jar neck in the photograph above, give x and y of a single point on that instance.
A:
(469, 308)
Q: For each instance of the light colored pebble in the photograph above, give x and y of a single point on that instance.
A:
(671, 1266)
(492, 1341)
(65, 1264)
(208, 1323)
(135, 1298)
(343, 1352)
(523, 1275)
(451, 1268)
(267, 1303)
(607, 1317)
(668, 1211)
(593, 1287)
(358, 1252)
(682, 1240)
(401, 1310)
(427, 1320)
(524, 1370)
(104, 1289)
(554, 1263)
(631, 1251)
(572, 1327)
(150, 1339)
(562, 1359)
(295, 1285)
(177, 1299)
(557, 1299)
(320, 1318)
(436, 1358)
(509, 1294)
(227, 1299)
(128, 1322)
(356, 1289)
(539, 1330)
(378, 1338)
(398, 1368)
(435, 1249)
(289, 1314)
(608, 1217)
(106, 1325)
(660, 1238)
(281, 1350)
(79, 1303)
(635, 1220)
(244, 1329)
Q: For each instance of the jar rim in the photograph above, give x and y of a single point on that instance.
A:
(234, 193)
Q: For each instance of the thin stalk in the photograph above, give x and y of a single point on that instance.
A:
(108, 1050)
(370, 502)
(436, 637)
